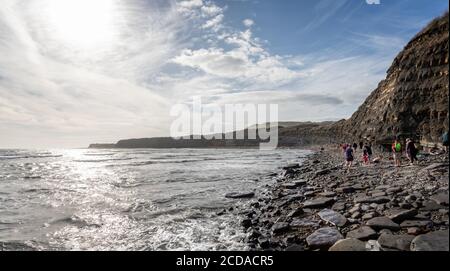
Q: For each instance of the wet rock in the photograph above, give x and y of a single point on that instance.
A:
(289, 186)
(280, 227)
(246, 223)
(398, 242)
(333, 217)
(253, 234)
(441, 198)
(433, 241)
(237, 195)
(382, 222)
(323, 238)
(402, 215)
(318, 203)
(363, 233)
(348, 245)
(291, 166)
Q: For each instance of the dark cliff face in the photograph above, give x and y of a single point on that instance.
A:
(413, 99)
(411, 102)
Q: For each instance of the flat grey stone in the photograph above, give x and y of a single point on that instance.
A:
(383, 222)
(318, 203)
(348, 245)
(327, 194)
(338, 206)
(430, 206)
(304, 223)
(345, 189)
(367, 199)
(324, 238)
(394, 190)
(333, 217)
(441, 198)
(416, 224)
(398, 242)
(433, 241)
(402, 215)
(363, 233)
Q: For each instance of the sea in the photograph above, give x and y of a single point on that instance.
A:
(130, 199)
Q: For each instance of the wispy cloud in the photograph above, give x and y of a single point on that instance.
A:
(54, 93)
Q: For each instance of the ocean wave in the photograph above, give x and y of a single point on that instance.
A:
(101, 160)
(10, 157)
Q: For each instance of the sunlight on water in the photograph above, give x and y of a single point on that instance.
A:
(128, 199)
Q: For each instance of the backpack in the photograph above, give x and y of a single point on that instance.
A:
(398, 147)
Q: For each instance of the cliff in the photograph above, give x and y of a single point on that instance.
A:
(412, 101)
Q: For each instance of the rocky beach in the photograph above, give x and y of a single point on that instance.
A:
(319, 205)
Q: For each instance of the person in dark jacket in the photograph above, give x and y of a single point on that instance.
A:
(411, 151)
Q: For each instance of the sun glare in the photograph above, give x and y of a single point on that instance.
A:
(83, 23)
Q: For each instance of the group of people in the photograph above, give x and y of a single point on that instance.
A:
(349, 153)
(397, 149)
(411, 151)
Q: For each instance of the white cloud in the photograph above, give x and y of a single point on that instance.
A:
(248, 22)
(211, 10)
(214, 23)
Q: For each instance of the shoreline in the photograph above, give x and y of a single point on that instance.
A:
(319, 206)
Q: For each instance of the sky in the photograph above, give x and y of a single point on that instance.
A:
(75, 72)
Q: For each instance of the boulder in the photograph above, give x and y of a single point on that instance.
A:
(400, 242)
(383, 222)
(433, 241)
(363, 233)
(333, 217)
(323, 238)
(348, 245)
(401, 215)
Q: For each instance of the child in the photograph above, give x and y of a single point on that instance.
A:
(365, 157)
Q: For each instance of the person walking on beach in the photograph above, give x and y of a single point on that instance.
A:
(365, 157)
(355, 146)
(411, 151)
(368, 149)
(445, 141)
(396, 151)
(348, 157)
